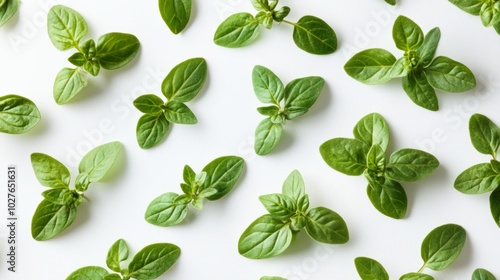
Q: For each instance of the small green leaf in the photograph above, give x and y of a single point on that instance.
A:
(372, 66)
(409, 165)
(149, 104)
(188, 175)
(98, 161)
(495, 205)
(294, 186)
(388, 197)
(66, 27)
(420, 91)
(151, 130)
(401, 68)
(407, 34)
(261, 5)
(269, 111)
(68, 83)
(314, 35)
(116, 254)
(281, 14)
(17, 114)
(178, 112)
(373, 129)
(237, 30)
(82, 182)
(483, 274)
(303, 203)
(267, 136)
(298, 222)
(92, 67)
(477, 179)
(448, 75)
(77, 59)
(50, 219)
(416, 276)
(484, 134)
(265, 18)
(442, 246)
(115, 50)
(426, 52)
(59, 196)
(50, 172)
(8, 9)
(370, 269)
(185, 80)
(266, 237)
(345, 155)
(302, 93)
(89, 273)
(325, 225)
(375, 159)
(165, 211)
(222, 175)
(175, 14)
(267, 86)
(207, 192)
(153, 260)
(490, 13)
(470, 6)
(280, 206)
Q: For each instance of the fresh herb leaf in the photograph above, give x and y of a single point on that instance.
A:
(178, 112)
(470, 6)
(373, 129)
(185, 80)
(477, 179)
(325, 225)
(408, 165)
(345, 155)
(89, 272)
(8, 9)
(267, 136)
(483, 274)
(280, 206)
(407, 34)
(66, 27)
(17, 114)
(175, 13)
(448, 75)
(49, 171)
(166, 211)
(388, 197)
(267, 86)
(115, 50)
(152, 130)
(222, 174)
(416, 276)
(99, 161)
(371, 66)
(69, 82)
(237, 31)
(149, 104)
(116, 254)
(420, 91)
(314, 35)
(370, 269)
(495, 205)
(50, 219)
(442, 246)
(153, 260)
(484, 135)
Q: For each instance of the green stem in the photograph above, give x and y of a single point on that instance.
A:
(422, 268)
(291, 23)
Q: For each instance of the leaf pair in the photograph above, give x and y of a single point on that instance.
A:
(288, 102)
(58, 209)
(271, 234)
(214, 181)
(17, 114)
(181, 85)
(148, 264)
(8, 8)
(310, 33)
(488, 11)
(365, 154)
(175, 13)
(440, 248)
(421, 73)
(483, 177)
(66, 29)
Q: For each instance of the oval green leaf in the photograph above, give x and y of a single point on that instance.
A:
(267, 86)
(484, 134)
(50, 219)
(407, 34)
(426, 52)
(68, 83)
(178, 112)
(50, 172)
(267, 136)
(166, 211)
(495, 205)
(373, 129)
(477, 179)
(442, 246)
(222, 175)
(409, 165)
(314, 35)
(151, 130)
(8, 9)
(153, 260)
(66, 27)
(149, 104)
(115, 50)
(294, 186)
(17, 114)
(370, 269)
(98, 161)
(470, 6)
(371, 66)
(175, 13)
(449, 75)
(416, 276)
(89, 273)
(237, 30)
(388, 197)
(185, 80)
(302, 94)
(116, 254)
(483, 274)
(420, 91)
(345, 155)
(280, 206)
(325, 225)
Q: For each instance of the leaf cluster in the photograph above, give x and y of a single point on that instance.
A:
(58, 209)
(8, 8)
(175, 13)
(271, 234)
(483, 177)
(487, 10)
(148, 264)
(215, 180)
(18, 114)
(421, 73)
(440, 248)
(366, 154)
(288, 102)
(310, 33)
(67, 28)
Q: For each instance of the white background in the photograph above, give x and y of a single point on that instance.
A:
(227, 120)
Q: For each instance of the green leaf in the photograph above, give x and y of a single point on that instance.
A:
(495, 205)
(448, 75)
(151, 130)
(59, 196)
(68, 83)
(116, 254)
(477, 179)
(153, 260)
(89, 273)
(303, 203)
(370, 269)
(391, 2)
(407, 34)
(267, 86)
(266, 237)
(165, 211)
(237, 30)
(88, 49)
(401, 68)
(113, 276)
(302, 94)
(185, 80)
(409, 165)
(483, 274)
(261, 5)
(50, 219)
(375, 159)
(98, 161)
(345, 155)
(8, 9)
(50, 172)
(265, 18)
(269, 111)
(388, 197)
(442, 246)
(149, 104)
(294, 186)
(484, 134)
(115, 50)
(426, 52)
(82, 182)
(373, 129)
(280, 206)
(78, 59)
(314, 35)
(17, 114)
(420, 91)
(281, 14)
(495, 165)
(178, 112)
(267, 136)
(469, 6)
(175, 14)
(416, 276)
(372, 66)
(324, 225)
(92, 67)
(222, 175)
(188, 175)
(66, 27)
(490, 13)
